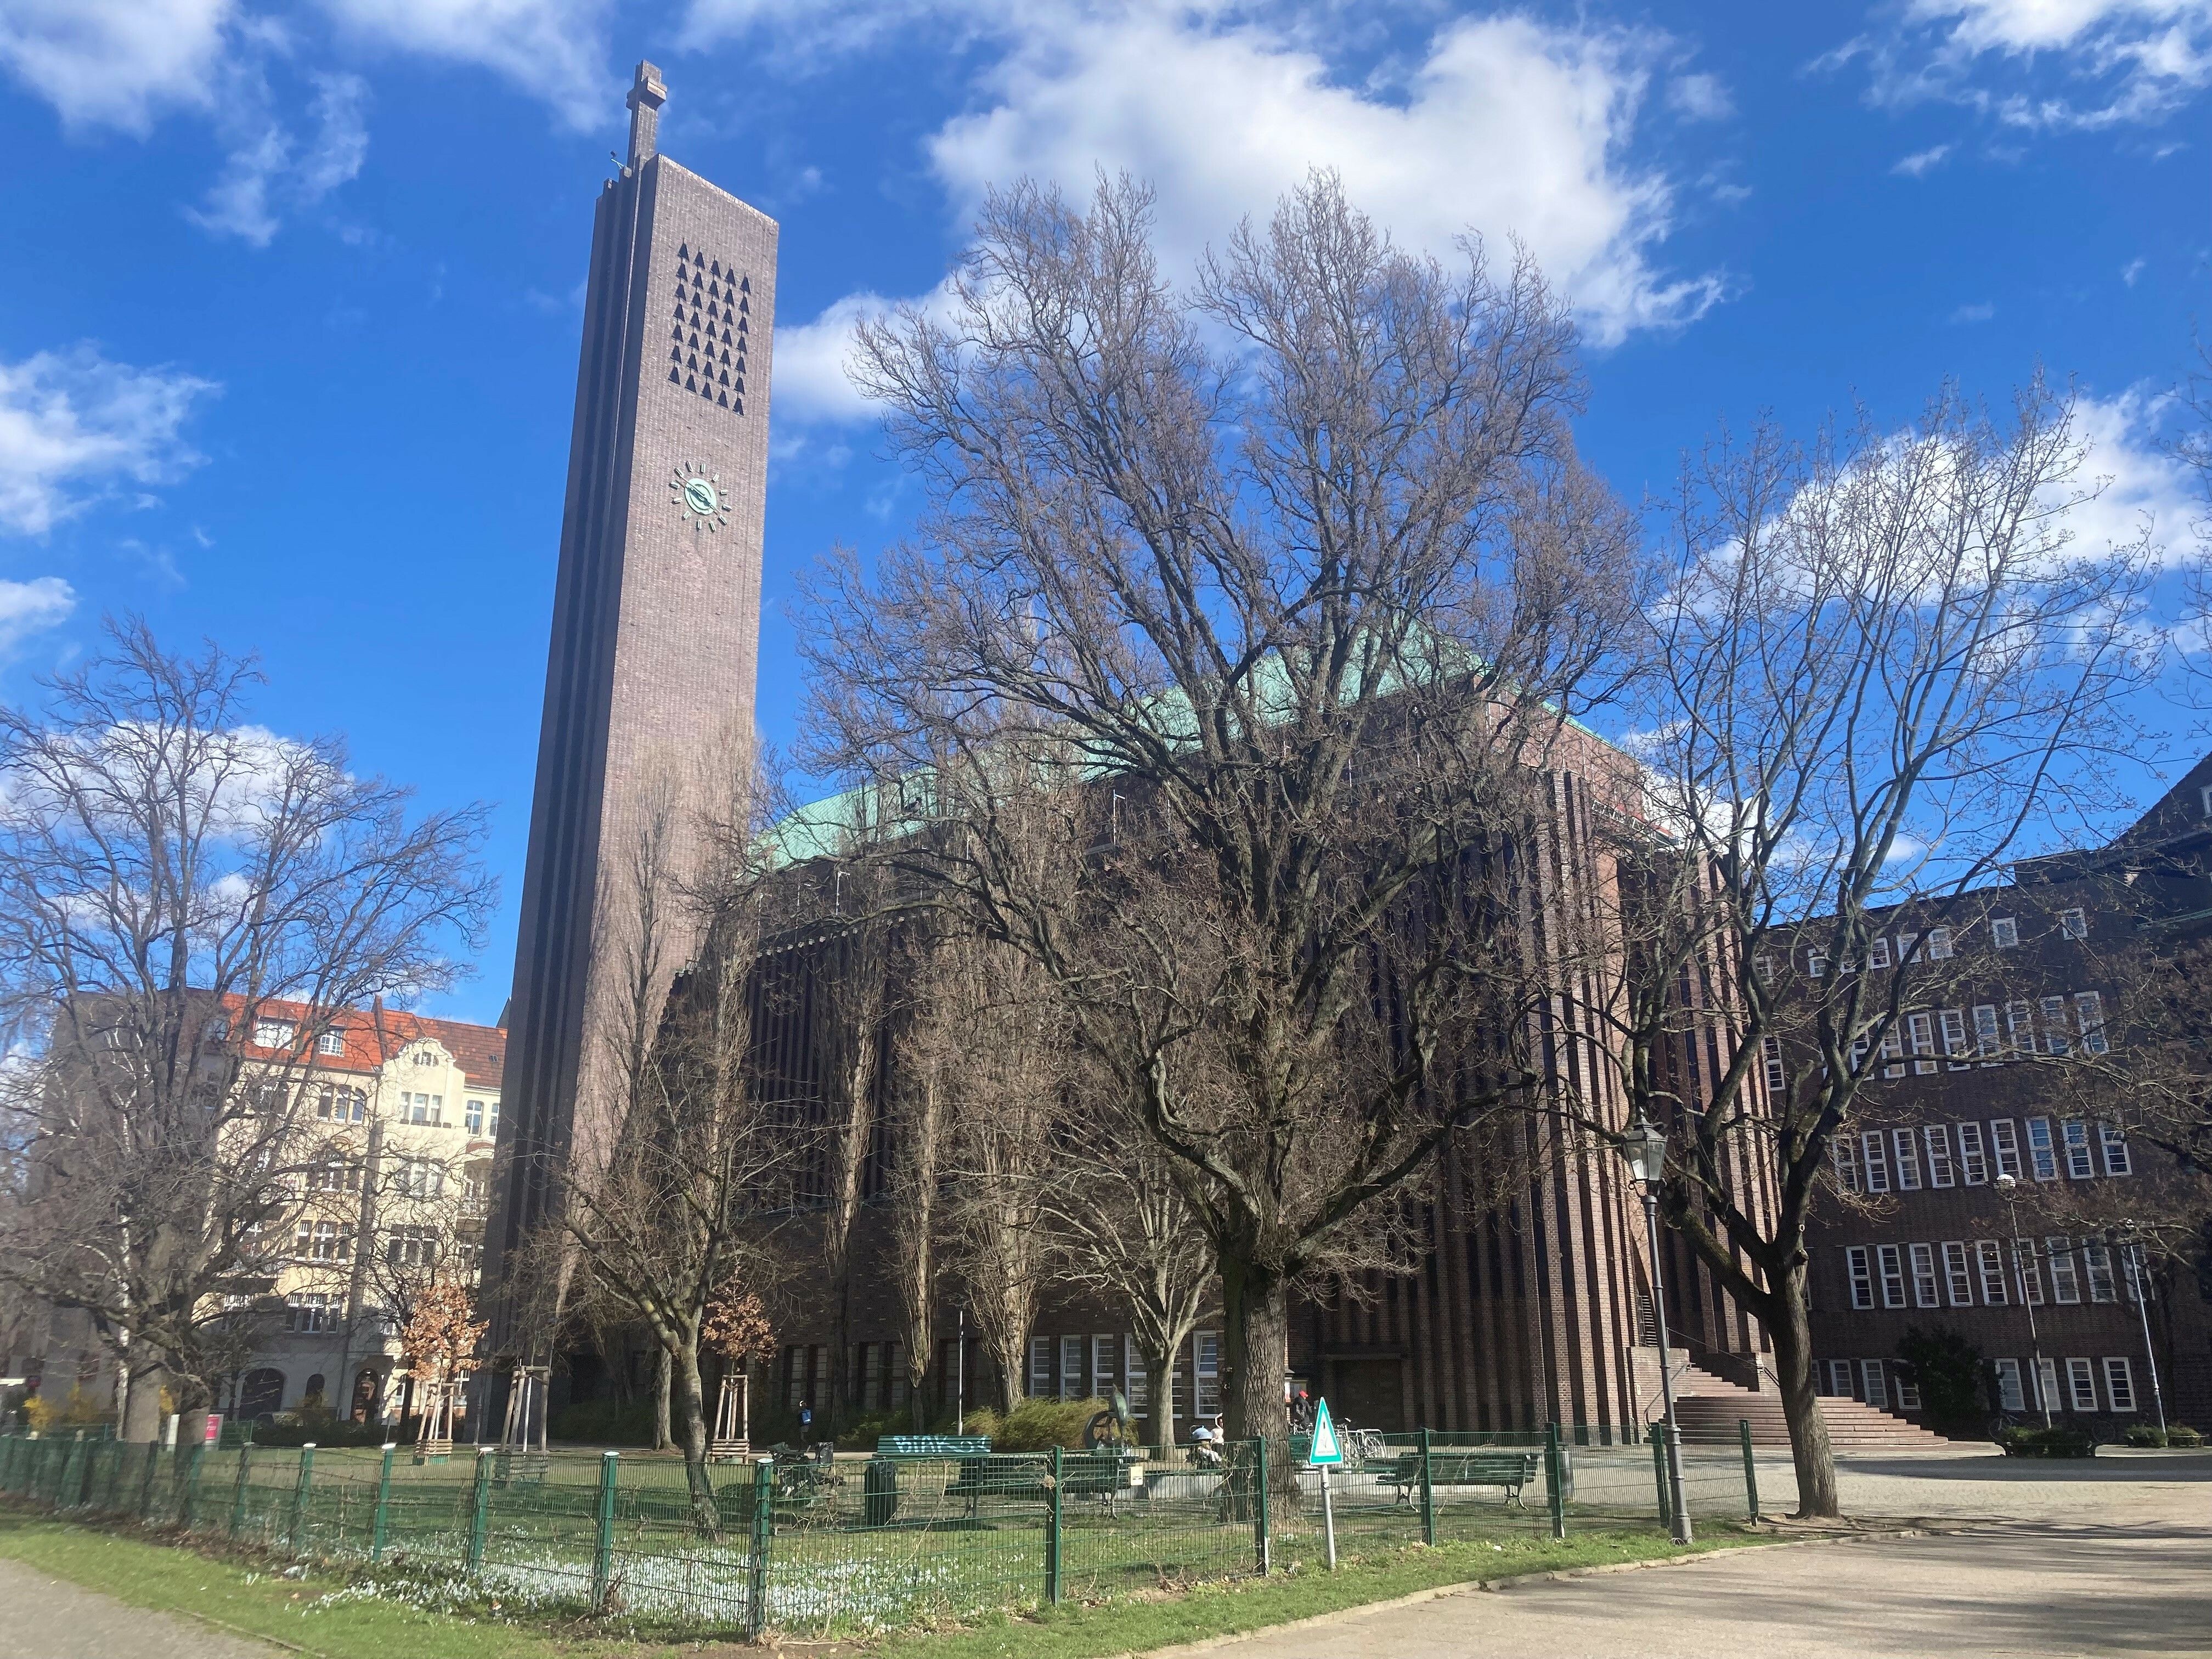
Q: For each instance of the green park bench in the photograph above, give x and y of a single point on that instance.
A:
(933, 1448)
(1511, 1470)
(1105, 1475)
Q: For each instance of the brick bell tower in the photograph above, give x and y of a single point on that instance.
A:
(649, 675)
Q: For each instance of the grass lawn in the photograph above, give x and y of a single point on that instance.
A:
(250, 1599)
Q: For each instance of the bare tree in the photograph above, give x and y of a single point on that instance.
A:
(853, 995)
(188, 904)
(674, 1213)
(927, 1066)
(1317, 600)
(1882, 671)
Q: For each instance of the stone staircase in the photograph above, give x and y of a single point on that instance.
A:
(1709, 1408)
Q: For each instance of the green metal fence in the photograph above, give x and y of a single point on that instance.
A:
(867, 1544)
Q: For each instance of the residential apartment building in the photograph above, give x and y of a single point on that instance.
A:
(402, 1114)
(1986, 1179)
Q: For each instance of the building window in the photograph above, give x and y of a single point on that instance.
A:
(1860, 1262)
(1938, 1139)
(338, 1175)
(1102, 1366)
(215, 1032)
(1878, 952)
(2026, 1274)
(2115, 1143)
(1762, 968)
(2073, 924)
(2005, 1141)
(411, 1247)
(1973, 1168)
(1040, 1367)
(1989, 1045)
(1954, 1039)
(421, 1178)
(2057, 1037)
(1816, 964)
(1939, 944)
(1206, 1373)
(1770, 1054)
(331, 1042)
(1892, 1275)
(1846, 1160)
(2065, 1283)
(2046, 1378)
(2089, 1015)
(1876, 1388)
(273, 1033)
(1908, 1396)
(1135, 1374)
(320, 1241)
(2082, 1383)
(1989, 1261)
(2081, 1161)
(1893, 1053)
(2009, 1397)
(420, 1108)
(1877, 1162)
(308, 1312)
(426, 1057)
(1922, 1028)
(1071, 1368)
(2004, 932)
(2097, 1267)
(1908, 1160)
(1908, 947)
(472, 1117)
(341, 1105)
(2120, 1383)
(2042, 1152)
(1958, 1281)
(2020, 1026)
(1927, 1291)
(2204, 795)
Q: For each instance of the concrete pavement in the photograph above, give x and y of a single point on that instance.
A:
(53, 1619)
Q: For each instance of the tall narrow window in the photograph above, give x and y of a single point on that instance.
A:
(2005, 1141)
(2065, 1283)
(1989, 1041)
(2009, 1397)
(1877, 1162)
(1908, 947)
(1922, 1026)
(2120, 1383)
(2042, 1151)
(1071, 1368)
(1938, 1139)
(1939, 944)
(1907, 1149)
(2097, 1269)
(1770, 1054)
(1958, 1281)
(2074, 924)
(1816, 964)
(1878, 952)
(1762, 968)
(2020, 1026)
(2081, 1161)
(1846, 1160)
(1893, 1053)
(2004, 932)
(1954, 1039)
(1135, 1372)
(1927, 1289)
(1892, 1262)
(2026, 1273)
(1973, 1167)
(2057, 1034)
(2081, 1385)
(1206, 1372)
(2047, 1375)
(1040, 1367)
(1859, 1260)
(2114, 1140)
(1877, 1385)
(1102, 1366)
(1989, 1262)
(2089, 1015)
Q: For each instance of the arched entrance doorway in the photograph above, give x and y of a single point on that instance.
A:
(261, 1394)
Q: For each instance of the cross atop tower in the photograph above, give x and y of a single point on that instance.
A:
(647, 95)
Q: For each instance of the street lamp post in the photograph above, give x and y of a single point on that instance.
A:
(1645, 1149)
(2009, 1186)
(2141, 1284)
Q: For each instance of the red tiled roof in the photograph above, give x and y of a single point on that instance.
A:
(373, 1037)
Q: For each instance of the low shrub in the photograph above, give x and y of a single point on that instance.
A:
(2047, 1442)
(2176, 1434)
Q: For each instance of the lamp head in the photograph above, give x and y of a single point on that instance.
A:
(2006, 1183)
(1644, 1147)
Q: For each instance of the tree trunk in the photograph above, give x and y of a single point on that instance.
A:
(681, 1370)
(917, 1381)
(1789, 1326)
(1258, 1343)
(663, 1383)
(141, 1409)
(1007, 1355)
(1159, 1389)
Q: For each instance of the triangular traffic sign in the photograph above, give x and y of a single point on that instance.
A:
(1328, 1449)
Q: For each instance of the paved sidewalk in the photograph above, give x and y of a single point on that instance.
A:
(2111, 1556)
(53, 1619)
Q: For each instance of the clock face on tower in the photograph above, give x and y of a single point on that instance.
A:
(697, 494)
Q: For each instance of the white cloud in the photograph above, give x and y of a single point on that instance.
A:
(1699, 97)
(2044, 63)
(1916, 164)
(1979, 312)
(74, 426)
(268, 171)
(117, 62)
(555, 50)
(809, 381)
(2144, 492)
(2133, 269)
(1503, 125)
(27, 608)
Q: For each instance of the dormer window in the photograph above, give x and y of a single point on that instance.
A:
(273, 1033)
(2004, 931)
(426, 1057)
(331, 1042)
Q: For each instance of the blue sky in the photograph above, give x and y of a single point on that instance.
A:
(289, 309)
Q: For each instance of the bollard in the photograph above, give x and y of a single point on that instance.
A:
(603, 1557)
(1659, 1474)
(377, 1526)
(1555, 1479)
(1264, 1544)
(299, 1484)
(480, 1511)
(1750, 1471)
(764, 1531)
(1052, 1540)
(1428, 1493)
(238, 1499)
